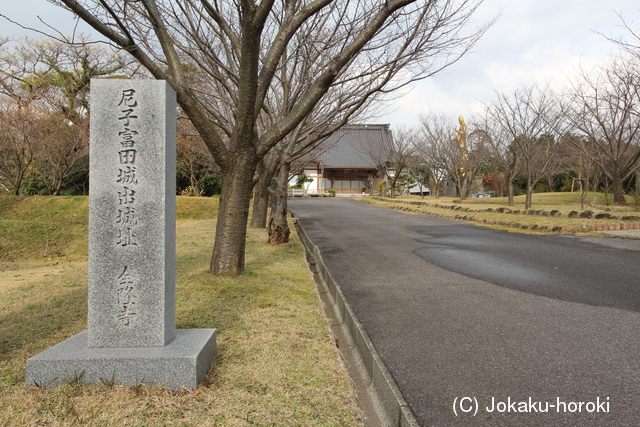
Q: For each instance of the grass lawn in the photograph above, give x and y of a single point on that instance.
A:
(482, 211)
(276, 365)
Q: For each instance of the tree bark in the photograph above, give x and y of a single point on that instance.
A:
(510, 193)
(618, 190)
(435, 187)
(260, 203)
(466, 187)
(552, 183)
(260, 196)
(392, 187)
(267, 169)
(530, 185)
(242, 160)
(278, 225)
(231, 228)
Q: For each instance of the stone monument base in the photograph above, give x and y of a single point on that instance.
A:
(184, 361)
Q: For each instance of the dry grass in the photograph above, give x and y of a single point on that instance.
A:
(483, 211)
(48, 227)
(276, 363)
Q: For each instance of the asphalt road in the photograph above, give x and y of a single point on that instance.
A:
(484, 327)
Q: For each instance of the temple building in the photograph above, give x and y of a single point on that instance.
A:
(341, 163)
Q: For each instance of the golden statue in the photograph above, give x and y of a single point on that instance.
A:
(461, 139)
(462, 134)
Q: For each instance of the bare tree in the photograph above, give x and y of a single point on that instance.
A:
(434, 146)
(49, 82)
(20, 68)
(581, 167)
(391, 155)
(294, 147)
(20, 128)
(238, 49)
(290, 148)
(56, 75)
(60, 147)
(193, 160)
(559, 162)
(603, 106)
(350, 98)
(419, 172)
(503, 151)
(630, 44)
(449, 158)
(532, 119)
(342, 103)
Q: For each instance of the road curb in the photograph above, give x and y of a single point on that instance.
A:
(388, 402)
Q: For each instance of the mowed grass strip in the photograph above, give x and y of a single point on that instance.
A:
(475, 211)
(276, 363)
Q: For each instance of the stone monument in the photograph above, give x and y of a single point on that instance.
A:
(131, 336)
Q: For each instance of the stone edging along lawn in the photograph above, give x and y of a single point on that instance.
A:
(553, 221)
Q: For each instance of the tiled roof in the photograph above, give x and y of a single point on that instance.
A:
(345, 146)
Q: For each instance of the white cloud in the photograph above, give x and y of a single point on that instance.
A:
(542, 42)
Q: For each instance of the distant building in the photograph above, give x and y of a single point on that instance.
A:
(419, 190)
(341, 164)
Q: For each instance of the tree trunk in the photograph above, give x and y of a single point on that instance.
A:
(57, 186)
(466, 187)
(510, 193)
(530, 185)
(18, 182)
(266, 170)
(618, 190)
(195, 183)
(261, 201)
(459, 187)
(636, 193)
(231, 228)
(278, 225)
(435, 188)
(552, 183)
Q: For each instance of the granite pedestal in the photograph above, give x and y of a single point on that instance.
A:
(184, 362)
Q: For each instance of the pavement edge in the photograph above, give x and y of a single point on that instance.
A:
(364, 363)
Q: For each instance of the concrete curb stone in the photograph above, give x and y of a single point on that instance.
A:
(391, 407)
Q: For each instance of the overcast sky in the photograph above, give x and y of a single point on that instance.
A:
(533, 41)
